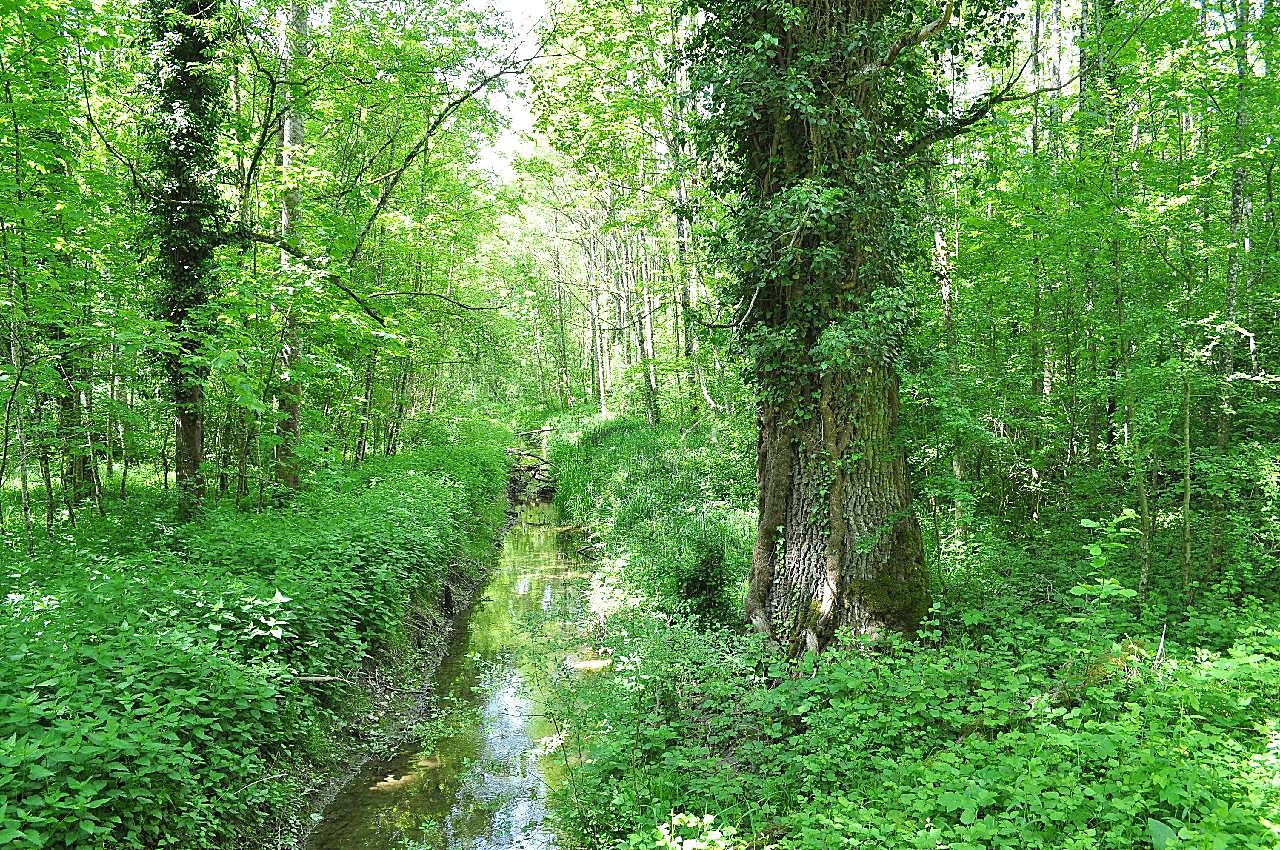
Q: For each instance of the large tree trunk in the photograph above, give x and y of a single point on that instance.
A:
(835, 485)
(188, 446)
(826, 201)
(185, 203)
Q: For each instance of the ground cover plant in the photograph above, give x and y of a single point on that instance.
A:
(909, 367)
(156, 672)
(1041, 712)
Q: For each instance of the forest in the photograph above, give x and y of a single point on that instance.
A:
(627, 424)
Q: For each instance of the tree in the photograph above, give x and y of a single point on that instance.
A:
(820, 111)
(294, 32)
(188, 92)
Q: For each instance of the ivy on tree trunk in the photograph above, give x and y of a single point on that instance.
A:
(187, 92)
(810, 105)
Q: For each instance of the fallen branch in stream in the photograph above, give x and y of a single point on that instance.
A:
(523, 453)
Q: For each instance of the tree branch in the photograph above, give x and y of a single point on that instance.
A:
(439, 295)
(392, 178)
(97, 131)
(975, 113)
(913, 39)
(298, 253)
(959, 123)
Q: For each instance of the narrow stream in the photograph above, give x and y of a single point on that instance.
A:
(480, 779)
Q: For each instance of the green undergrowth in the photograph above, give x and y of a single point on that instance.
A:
(669, 506)
(152, 694)
(1027, 713)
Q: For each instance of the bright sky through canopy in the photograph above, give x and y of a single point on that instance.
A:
(524, 16)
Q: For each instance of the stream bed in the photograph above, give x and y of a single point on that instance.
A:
(479, 779)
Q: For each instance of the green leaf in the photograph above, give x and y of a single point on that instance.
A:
(1161, 833)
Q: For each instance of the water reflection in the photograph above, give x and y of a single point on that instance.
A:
(482, 785)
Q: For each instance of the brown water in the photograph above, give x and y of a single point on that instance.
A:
(480, 778)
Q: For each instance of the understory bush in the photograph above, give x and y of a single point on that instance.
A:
(152, 694)
(1029, 711)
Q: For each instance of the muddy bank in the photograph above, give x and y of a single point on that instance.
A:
(388, 700)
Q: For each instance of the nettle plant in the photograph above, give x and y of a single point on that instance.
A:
(1111, 541)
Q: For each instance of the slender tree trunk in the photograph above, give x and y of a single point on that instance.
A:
(46, 468)
(942, 272)
(162, 464)
(1037, 394)
(71, 427)
(225, 449)
(1136, 448)
(124, 467)
(17, 359)
(645, 336)
(562, 338)
(1037, 273)
(242, 459)
(94, 479)
(294, 32)
(598, 366)
(688, 294)
(1227, 346)
(24, 487)
(108, 441)
(366, 413)
(396, 425)
(1186, 471)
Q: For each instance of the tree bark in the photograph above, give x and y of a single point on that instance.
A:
(366, 412)
(838, 544)
(294, 31)
(1227, 347)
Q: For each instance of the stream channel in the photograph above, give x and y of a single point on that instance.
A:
(479, 782)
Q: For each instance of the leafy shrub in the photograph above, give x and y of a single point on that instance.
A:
(150, 692)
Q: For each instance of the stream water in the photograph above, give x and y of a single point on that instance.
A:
(479, 779)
